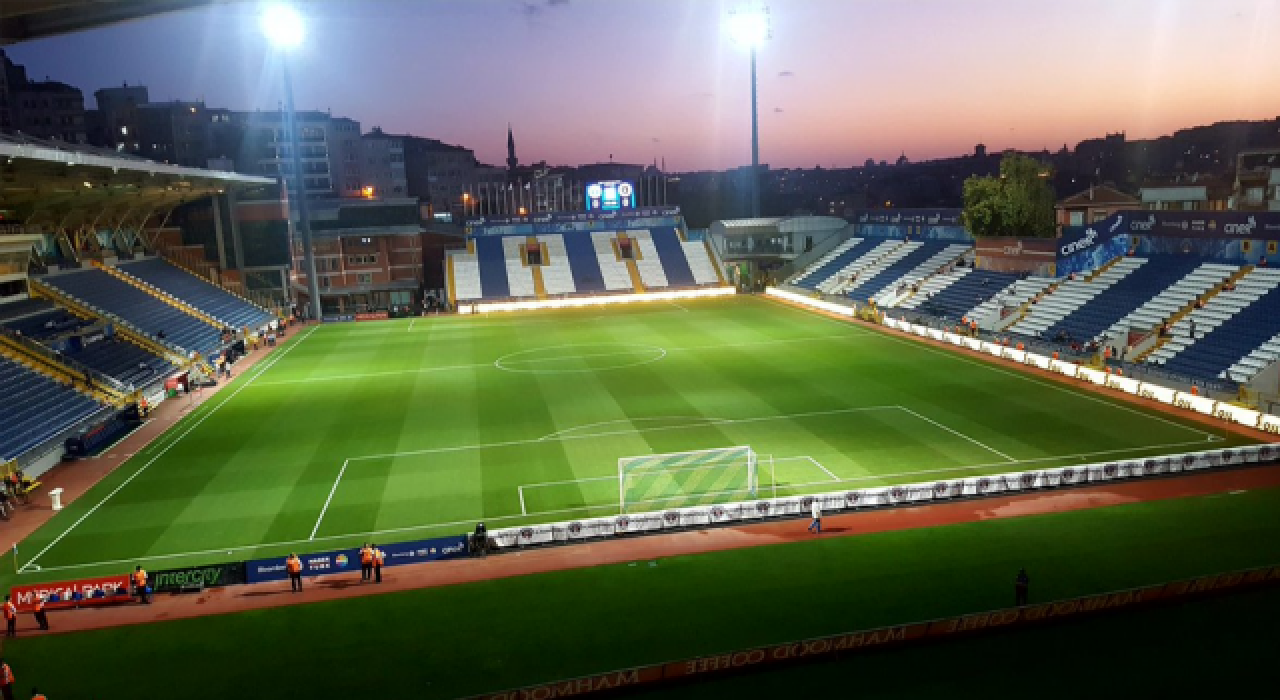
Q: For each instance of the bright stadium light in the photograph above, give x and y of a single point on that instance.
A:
(282, 26)
(750, 27)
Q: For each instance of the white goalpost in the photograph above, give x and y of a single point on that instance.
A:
(691, 478)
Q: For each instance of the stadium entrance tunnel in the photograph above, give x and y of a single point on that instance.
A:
(586, 357)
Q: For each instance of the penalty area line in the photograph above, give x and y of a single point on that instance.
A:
(332, 491)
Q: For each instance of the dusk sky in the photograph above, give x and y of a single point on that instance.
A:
(841, 80)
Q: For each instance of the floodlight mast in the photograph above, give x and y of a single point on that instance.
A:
(750, 27)
(282, 25)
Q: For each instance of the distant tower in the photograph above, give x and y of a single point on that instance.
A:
(512, 161)
(980, 150)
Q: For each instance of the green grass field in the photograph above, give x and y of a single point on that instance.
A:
(407, 429)
(459, 640)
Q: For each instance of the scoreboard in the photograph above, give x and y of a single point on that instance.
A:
(611, 195)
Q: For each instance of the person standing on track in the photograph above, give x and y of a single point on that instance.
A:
(366, 562)
(6, 681)
(10, 618)
(378, 559)
(816, 509)
(1020, 587)
(37, 695)
(42, 618)
(294, 566)
(140, 584)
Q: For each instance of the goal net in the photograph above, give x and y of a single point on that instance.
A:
(681, 479)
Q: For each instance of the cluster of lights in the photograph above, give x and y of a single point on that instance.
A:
(579, 302)
(810, 301)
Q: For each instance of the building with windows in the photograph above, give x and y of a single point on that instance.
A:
(1093, 205)
(1186, 193)
(382, 165)
(330, 150)
(46, 110)
(1257, 184)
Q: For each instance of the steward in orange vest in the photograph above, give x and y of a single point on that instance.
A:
(293, 565)
(140, 584)
(10, 618)
(42, 618)
(378, 559)
(366, 562)
(6, 680)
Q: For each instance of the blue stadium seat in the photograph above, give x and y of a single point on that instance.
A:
(587, 276)
(203, 295)
(831, 267)
(966, 293)
(121, 359)
(37, 409)
(873, 285)
(1135, 289)
(1235, 338)
(674, 262)
(146, 312)
(493, 267)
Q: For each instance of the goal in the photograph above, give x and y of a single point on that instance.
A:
(692, 478)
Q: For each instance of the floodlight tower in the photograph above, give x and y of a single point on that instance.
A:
(750, 27)
(282, 25)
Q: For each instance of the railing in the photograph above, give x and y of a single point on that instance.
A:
(56, 358)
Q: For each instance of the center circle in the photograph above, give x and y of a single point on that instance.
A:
(586, 357)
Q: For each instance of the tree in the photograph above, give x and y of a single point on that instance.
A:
(1019, 202)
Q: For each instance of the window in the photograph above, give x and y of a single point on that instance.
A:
(362, 259)
(1077, 218)
(364, 278)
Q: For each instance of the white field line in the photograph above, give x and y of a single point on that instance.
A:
(264, 367)
(819, 465)
(703, 420)
(482, 365)
(332, 491)
(1025, 377)
(611, 507)
(678, 306)
(957, 433)
(411, 322)
(661, 428)
(522, 509)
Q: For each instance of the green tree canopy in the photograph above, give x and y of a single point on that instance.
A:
(1019, 202)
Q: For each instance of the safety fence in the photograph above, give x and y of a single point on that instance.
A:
(840, 645)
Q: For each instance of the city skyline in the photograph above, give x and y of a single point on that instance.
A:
(840, 82)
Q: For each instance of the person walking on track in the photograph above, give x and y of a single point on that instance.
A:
(1020, 586)
(294, 566)
(42, 618)
(378, 559)
(816, 509)
(140, 584)
(10, 618)
(366, 562)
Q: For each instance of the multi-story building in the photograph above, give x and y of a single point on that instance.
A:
(1186, 193)
(12, 77)
(1257, 184)
(382, 165)
(49, 110)
(1093, 205)
(116, 121)
(329, 148)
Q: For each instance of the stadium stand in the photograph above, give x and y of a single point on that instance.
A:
(1150, 276)
(1014, 295)
(1229, 328)
(1262, 356)
(222, 305)
(701, 266)
(964, 289)
(616, 276)
(588, 276)
(675, 257)
(519, 274)
(652, 273)
(902, 261)
(827, 265)
(1158, 309)
(557, 272)
(466, 276)
(37, 408)
(124, 361)
(103, 292)
(903, 286)
(848, 273)
(1071, 295)
(491, 257)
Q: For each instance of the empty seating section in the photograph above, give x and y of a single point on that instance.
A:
(967, 293)
(614, 271)
(493, 267)
(222, 305)
(557, 275)
(44, 324)
(1230, 327)
(1256, 361)
(16, 310)
(864, 256)
(116, 357)
(466, 276)
(648, 263)
(519, 276)
(1071, 295)
(588, 276)
(675, 264)
(932, 286)
(37, 409)
(828, 264)
(1160, 308)
(701, 266)
(886, 272)
(988, 313)
(901, 287)
(101, 291)
(1139, 286)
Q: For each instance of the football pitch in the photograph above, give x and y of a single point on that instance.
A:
(407, 429)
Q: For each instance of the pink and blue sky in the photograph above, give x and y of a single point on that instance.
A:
(840, 81)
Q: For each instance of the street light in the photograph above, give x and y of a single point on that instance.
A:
(282, 25)
(750, 27)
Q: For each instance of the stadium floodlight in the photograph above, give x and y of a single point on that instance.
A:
(751, 27)
(282, 25)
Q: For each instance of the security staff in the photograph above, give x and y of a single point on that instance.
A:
(42, 618)
(6, 681)
(10, 618)
(140, 584)
(366, 562)
(293, 565)
(37, 695)
(378, 559)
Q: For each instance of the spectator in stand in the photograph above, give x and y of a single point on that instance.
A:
(1262, 262)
